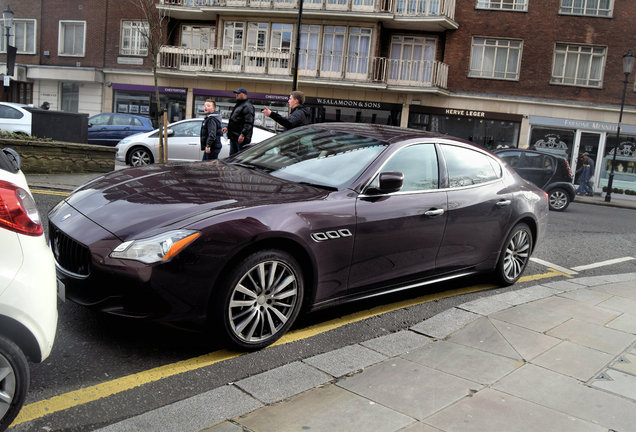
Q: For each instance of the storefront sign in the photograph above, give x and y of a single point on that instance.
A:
(581, 124)
(466, 112)
(251, 95)
(347, 103)
(144, 88)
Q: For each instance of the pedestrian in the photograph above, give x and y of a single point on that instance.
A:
(299, 115)
(241, 123)
(211, 131)
(45, 105)
(584, 180)
(584, 157)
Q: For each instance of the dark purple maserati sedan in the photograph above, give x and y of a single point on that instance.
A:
(319, 215)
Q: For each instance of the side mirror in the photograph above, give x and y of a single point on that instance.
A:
(90, 125)
(391, 182)
(170, 132)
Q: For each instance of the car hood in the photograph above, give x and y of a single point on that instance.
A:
(143, 201)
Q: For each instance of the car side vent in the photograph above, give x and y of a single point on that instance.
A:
(70, 255)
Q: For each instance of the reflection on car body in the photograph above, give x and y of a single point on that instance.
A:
(313, 217)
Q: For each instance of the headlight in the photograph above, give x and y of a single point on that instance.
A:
(154, 249)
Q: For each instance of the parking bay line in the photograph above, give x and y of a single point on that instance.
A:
(554, 266)
(49, 192)
(85, 395)
(603, 263)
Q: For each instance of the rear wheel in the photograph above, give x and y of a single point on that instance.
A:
(140, 156)
(515, 255)
(260, 299)
(559, 199)
(14, 381)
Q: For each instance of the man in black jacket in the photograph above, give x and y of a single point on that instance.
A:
(211, 131)
(241, 123)
(300, 114)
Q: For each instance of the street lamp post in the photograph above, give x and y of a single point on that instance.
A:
(7, 16)
(628, 66)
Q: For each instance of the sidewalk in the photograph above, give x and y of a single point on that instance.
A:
(68, 182)
(560, 357)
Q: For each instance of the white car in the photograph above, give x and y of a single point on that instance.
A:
(28, 293)
(184, 144)
(15, 118)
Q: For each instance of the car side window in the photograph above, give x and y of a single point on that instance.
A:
(533, 160)
(121, 121)
(136, 122)
(418, 164)
(188, 129)
(99, 120)
(10, 113)
(467, 167)
(512, 158)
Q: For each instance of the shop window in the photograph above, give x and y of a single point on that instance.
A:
(495, 58)
(70, 97)
(625, 168)
(72, 39)
(515, 5)
(555, 141)
(22, 36)
(134, 40)
(601, 8)
(578, 65)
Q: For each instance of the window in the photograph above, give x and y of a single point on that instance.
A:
(495, 58)
(101, 119)
(411, 59)
(517, 5)
(578, 65)
(512, 158)
(418, 164)
(22, 36)
(134, 40)
(197, 37)
(72, 38)
(10, 112)
(70, 97)
(332, 49)
(468, 167)
(602, 8)
(308, 52)
(358, 50)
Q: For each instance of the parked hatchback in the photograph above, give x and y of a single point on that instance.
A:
(110, 128)
(550, 172)
(15, 118)
(28, 301)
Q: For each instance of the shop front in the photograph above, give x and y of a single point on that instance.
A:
(140, 99)
(571, 138)
(354, 111)
(491, 130)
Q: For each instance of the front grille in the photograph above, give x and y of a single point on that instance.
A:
(70, 255)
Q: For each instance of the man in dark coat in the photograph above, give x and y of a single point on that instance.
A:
(211, 131)
(300, 114)
(241, 123)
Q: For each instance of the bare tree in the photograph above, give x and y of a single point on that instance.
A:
(154, 34)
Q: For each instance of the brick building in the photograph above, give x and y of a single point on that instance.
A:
(539, 73)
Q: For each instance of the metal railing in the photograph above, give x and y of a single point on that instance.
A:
(332, 66)
(402, 8)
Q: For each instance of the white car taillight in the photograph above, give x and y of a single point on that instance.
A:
(18, 211)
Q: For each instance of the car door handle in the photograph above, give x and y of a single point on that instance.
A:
(504, 203)
(434, 212)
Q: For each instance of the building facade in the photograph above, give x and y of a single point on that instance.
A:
(543, 74)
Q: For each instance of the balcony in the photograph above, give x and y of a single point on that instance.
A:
(427, 15)
(314, 68)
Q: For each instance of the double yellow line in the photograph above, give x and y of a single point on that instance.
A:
(89, 394)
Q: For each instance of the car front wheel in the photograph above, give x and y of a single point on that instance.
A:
(14, 381)
(515, 255)
(140, 156)
(559, 199)
(260, 299)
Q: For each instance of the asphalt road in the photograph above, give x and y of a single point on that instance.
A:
(92, 349)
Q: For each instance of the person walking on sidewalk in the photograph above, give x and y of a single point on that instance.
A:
(584, 179)
(300, 114)
(241, 123)
(211, 131)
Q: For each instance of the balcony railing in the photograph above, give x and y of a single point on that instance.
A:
(402, 8)
(321, 66)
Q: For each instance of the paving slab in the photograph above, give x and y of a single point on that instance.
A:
(483, 335)
(191, 414)
(586, 295)
(531, 317)
(525, 295)
(576, 309)
(490, 410)
(444, 323)
(620, 304)
(329, 408)
(410, 388)
(465, 362)
(283, 382)
(485, 305)
(591, 280)
(345, 360)
(420, 427)
(397, 343)
(618, 383)
(527, 343)
(625, 289)
(626, 363)
(561, 285)
(573, 360)
(593, 336)
(570, 396)
(224, 427)
(625, 323)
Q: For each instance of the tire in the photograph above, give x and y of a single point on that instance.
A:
(558, 199)
(260, 299)
(515, 255)
(140, 156)
(14, 381)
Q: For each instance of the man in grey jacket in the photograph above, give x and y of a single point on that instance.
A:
(300, 114)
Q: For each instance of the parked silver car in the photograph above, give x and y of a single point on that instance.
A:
(183, 144)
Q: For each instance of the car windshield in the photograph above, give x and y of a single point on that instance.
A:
(315, 156)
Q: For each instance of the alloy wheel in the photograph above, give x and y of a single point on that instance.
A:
(140, 157)
(263, 301)
(7, 385)
(517, 254)
(558, 200)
